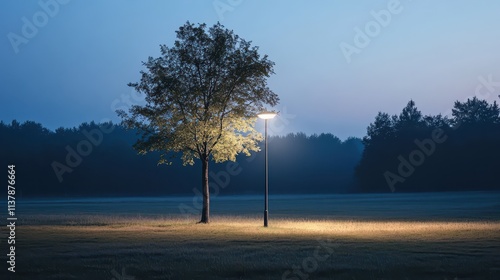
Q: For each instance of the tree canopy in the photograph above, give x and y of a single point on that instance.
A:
(475, 111)
(203, 95)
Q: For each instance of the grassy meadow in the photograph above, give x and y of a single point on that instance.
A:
(365, 236)
(238, 247)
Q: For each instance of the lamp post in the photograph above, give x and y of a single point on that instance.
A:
(266, 116)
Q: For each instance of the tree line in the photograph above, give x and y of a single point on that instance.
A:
(408, 152)
(98, 159)
(411, 152)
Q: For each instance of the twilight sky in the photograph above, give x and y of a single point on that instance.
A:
(338, 63)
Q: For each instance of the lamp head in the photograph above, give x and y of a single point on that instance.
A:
(266, 115)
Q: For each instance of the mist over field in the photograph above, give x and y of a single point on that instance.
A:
(443, 206)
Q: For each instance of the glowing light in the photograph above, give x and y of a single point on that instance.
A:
(267, 115)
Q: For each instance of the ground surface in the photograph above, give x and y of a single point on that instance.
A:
(240, 248)
(376, 238)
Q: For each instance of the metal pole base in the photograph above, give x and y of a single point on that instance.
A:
(265, 218)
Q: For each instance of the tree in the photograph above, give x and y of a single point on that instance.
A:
(380, 130)
(378, 145)
(475, 111)
(410, 118)
(202, 96)
(437, 121)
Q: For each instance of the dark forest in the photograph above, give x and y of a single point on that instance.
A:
(408, 152)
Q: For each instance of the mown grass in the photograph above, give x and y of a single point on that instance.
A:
(233, 247)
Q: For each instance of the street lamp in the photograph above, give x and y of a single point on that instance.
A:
(267, 115)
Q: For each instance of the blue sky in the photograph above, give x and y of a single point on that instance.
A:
(74, 68)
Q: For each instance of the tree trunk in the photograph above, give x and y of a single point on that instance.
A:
(205, 213)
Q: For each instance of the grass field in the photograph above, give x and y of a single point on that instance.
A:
(238, 247)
